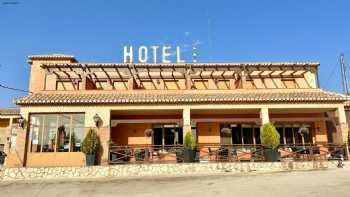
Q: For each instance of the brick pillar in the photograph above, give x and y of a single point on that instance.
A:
(104, 134)
(103, 131)
(186, 118)
(342, 128)
(20, 151)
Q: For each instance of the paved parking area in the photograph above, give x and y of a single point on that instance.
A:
(335, 182)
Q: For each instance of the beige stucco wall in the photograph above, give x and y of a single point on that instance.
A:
(55, 159)
(39, 79)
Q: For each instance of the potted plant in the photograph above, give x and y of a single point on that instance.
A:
(90, 146)
(139, 154)
(270, 139)
(189, 153)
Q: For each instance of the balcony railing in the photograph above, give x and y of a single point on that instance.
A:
(222, 153)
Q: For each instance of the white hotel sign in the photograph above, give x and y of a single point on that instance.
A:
(147, 54)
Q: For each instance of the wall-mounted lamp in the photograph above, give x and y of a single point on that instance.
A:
(21, 122)
(97, 120)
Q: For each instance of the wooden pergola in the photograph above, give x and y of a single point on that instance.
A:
(112, 72)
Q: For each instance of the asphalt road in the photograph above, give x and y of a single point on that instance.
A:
(335, 182)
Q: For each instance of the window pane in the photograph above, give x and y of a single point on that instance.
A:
(49, 135)
(289, 135)
(307, 136)
(158, 136)
(280, 131)
(297, 136)
(78, 130)
(257, 135)
(169, 136)
(36, 132)
(63, 133)
(248, 135)
(236, 135)
(178, 136)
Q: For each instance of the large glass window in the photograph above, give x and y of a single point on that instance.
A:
(63, 133)
(56, 132)
(167, 135)
(247, 134)
(292, 134)
(77, 132)
(257, 135)
(242, 133)
(36, 128)
(49, 137)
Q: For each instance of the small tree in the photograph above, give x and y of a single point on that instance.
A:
(190, 141)
(269, 136)
(91, 143)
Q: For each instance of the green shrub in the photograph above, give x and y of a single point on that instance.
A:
(91, 143)
(190, 141)
(269, 136)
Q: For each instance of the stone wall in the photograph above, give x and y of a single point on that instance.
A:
(137, 170)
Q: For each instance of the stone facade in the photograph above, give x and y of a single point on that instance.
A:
(142, 170)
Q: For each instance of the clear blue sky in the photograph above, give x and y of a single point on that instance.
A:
(244, 30)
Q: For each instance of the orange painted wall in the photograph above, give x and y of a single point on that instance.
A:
(55, 159)
(208, 132)
(130, 134)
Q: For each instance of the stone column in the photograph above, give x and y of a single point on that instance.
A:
(186, 117)
(342, 128)
(264, 115)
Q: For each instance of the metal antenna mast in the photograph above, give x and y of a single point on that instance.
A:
(344, 72)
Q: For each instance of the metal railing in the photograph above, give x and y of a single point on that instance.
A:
(222, 153)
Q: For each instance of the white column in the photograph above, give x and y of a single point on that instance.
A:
(264, 115)
(186, 118)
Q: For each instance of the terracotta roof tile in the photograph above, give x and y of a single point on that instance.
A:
(183, 96)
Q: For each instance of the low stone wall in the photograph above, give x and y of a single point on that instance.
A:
(136, 170)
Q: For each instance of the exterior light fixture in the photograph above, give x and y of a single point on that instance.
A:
(21, 122)
(97, 120)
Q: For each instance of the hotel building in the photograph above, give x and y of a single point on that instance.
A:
(171, 99)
